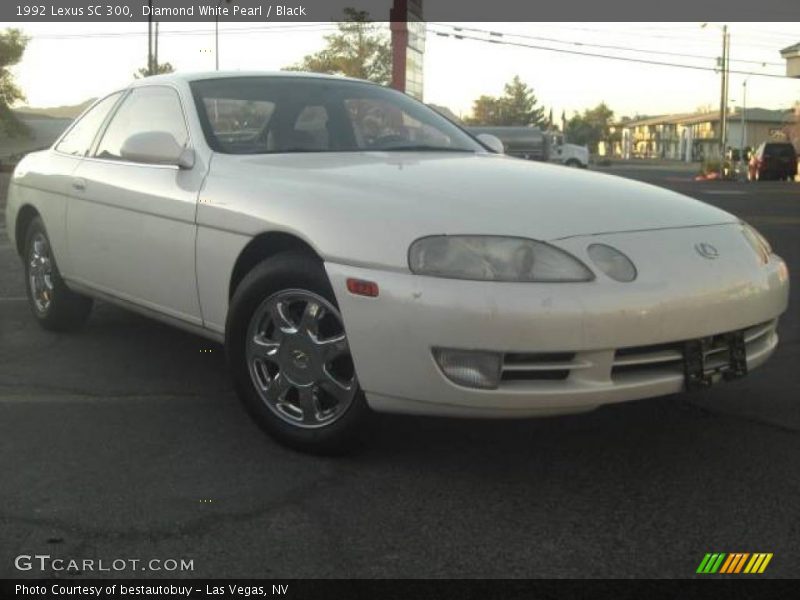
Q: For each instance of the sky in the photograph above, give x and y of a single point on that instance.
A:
(66, 63)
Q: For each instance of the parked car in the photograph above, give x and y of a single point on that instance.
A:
(773, 160)
(354, 250)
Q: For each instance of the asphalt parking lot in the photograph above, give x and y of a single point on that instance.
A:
(125, 440)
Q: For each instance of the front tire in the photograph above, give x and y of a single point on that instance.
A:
(55, 306)
(289, 357)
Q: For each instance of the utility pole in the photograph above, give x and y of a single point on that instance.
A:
(150, 38)
(744, 123)
(216, 34)
(723, 101)
(155, 51)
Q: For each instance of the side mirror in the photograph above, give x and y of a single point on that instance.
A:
(492, 142)
(157, 147)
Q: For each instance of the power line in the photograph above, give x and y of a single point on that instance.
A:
(605, 56)
(604, 46)
(681, 35)
(310, 27)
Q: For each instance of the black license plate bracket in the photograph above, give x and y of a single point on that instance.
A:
(698, 371)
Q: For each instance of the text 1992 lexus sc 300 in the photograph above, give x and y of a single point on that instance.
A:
(354, 249)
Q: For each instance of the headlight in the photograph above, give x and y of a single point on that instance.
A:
(612, 262)
(494, 258)
(758, 242)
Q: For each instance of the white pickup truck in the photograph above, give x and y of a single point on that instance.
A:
(531, 143)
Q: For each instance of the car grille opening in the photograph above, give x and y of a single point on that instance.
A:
(537, 366)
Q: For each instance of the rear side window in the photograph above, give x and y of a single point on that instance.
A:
(152, 108)
(79, 139)
(779, 150)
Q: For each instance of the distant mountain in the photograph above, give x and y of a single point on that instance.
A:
(55, 112)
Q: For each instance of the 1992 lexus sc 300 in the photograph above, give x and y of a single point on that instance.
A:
(354, 249)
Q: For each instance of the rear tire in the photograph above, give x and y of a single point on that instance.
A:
(289, 359)
(55, 306)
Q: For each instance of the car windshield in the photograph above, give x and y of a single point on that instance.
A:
(260, 115)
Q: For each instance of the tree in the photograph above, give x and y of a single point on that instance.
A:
(486, 110)
(360, 49)
(161, 68)
(12, 47)
(591, 127)
(578, 131)
(517, 106)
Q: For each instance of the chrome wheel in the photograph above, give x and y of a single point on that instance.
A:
(40, 273)
(299, 359)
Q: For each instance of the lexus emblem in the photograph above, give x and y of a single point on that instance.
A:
(300, 359)
(706, 250)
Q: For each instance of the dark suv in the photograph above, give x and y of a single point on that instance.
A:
(773, 160)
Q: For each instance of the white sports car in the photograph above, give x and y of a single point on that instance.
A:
(354, 249)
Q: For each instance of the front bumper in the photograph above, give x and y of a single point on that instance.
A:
(607, 341)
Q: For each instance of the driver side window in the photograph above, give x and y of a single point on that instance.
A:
(152, 108)
(79, 139)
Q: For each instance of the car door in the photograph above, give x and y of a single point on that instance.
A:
(51, 181)
(131, 227)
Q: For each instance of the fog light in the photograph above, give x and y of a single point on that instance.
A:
(469, 368)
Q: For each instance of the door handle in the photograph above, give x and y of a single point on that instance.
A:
(79, 184)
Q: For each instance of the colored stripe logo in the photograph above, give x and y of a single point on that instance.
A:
(734, 563)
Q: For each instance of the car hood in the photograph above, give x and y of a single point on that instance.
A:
(398, 197)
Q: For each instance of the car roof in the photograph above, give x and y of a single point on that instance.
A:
(201, 75)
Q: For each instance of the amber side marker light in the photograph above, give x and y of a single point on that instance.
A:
(360, 287)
